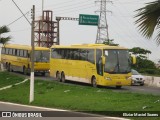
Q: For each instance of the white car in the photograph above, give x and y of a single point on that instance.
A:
(137, 78)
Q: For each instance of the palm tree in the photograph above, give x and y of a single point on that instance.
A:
(149, 20)
(4, 40)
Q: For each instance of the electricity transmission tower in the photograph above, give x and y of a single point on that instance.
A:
(102, 31)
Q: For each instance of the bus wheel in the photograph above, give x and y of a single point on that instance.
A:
(58, 77)
(25, 71)
(118, 87)
(63, 77)
(94, 82)
(8, 67)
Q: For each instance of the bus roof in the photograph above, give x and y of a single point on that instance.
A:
(100, 46)
(25, 47)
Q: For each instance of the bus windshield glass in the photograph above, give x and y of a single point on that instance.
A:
(117, 61)
(41, 56)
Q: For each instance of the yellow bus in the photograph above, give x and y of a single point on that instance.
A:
(96, 64)
(18, 58)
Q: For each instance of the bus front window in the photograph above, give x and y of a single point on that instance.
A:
(41, 56)
(117, 61)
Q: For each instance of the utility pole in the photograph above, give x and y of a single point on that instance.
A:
(102, 31)
(42, 18)
(31, 97)
(32, 57)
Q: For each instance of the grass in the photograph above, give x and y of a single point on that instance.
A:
(8, 79)
(80, 98)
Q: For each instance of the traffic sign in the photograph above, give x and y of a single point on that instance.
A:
(88, 19)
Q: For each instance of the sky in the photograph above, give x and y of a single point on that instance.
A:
(120, 22)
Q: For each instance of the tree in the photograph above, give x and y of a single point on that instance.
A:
(140, 52)
(149, 20)
(110, 42)
(143, 64)
(4, 40)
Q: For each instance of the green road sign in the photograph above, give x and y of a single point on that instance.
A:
(88, 19)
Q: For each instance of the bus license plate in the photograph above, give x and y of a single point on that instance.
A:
(118, 83)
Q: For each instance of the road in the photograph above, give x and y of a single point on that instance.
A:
(136, 89)
(24, 111)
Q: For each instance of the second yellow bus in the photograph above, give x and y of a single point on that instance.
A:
(18, 58)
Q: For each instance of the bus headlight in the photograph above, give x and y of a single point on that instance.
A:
(108, 78)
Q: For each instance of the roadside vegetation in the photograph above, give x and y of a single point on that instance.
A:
(144, 65)
(53, 94)
(8, 79)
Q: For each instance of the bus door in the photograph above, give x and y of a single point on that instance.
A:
(99, 65)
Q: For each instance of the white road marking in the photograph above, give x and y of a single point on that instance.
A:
(9, 86)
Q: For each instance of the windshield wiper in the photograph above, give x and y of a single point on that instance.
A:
(116, 66)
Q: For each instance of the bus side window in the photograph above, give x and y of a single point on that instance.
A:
(68, 54)
(72, 52)
(91, 56)
(21, 53)
(3, 50)
(18, 53)
(83, 54)
(62, 53)
(76, 54)
(25, 53)
(7, 51)
(65, 54)
(10, 51)
(55, 53)
(13, 52)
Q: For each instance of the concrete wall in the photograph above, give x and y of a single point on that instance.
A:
(152, 81)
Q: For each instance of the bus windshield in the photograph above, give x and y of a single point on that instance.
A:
(117, 61)
(41, 56)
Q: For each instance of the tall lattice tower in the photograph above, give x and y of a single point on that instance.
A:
(102, 31)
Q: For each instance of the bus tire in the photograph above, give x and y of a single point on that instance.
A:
(58, 77)
(25, 70)
(63, 77)
(5, 66)
(9, 67)
(94, 82)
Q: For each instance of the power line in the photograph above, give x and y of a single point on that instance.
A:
(21, 11)
(18, 18)
(72, 6)
(75, 8)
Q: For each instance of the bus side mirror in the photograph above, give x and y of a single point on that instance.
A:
(133, 59)
(103, 60)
